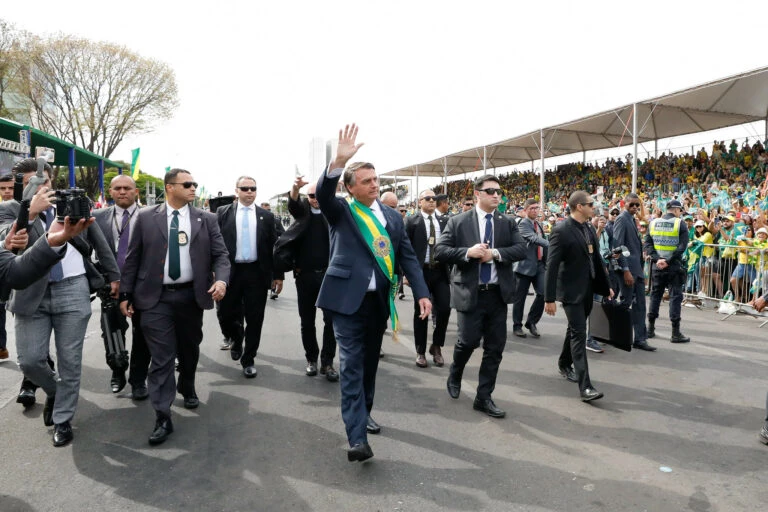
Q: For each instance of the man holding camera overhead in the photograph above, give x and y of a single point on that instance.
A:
(633, 281)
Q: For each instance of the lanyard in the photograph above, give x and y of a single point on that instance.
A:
(119, 228)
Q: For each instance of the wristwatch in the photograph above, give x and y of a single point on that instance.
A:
(496, 255)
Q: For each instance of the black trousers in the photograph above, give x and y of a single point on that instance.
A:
(173, 328)
(437, 282)
(3, 334)
(522, 284)
(488, 322)
(307, 289)
(139, 360)
(247, 294)
(574, 346)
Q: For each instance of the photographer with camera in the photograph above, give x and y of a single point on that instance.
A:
(632, 283)
(117, 223)
(59, 300)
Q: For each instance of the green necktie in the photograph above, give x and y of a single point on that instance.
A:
(174, 263)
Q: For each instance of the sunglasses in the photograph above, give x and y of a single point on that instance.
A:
(634, 204)
(491, 191)
(403, 211)
(469, 204)
(311, 196)
(186, 184)
(247, 189)
(590, 204)
(428, 198)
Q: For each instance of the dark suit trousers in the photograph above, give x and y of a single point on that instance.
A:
(522, 283)
(172, 328)
(139, 361)
(574, 346)
(634, 297)
(487, 322)
(440, 290)
(359, 338)
(247, 293)
(3, 334)
(307, 289)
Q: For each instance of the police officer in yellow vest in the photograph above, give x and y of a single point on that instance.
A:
(666, 243)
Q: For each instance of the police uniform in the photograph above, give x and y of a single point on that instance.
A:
(667, 239)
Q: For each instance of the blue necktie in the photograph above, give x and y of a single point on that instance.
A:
(57, 271)
(245, 236)
(485, 268)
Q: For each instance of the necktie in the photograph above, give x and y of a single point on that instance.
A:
(245, 236)
(57, 271)
(174, 260)
(540, 249)
(122, 244)
(485, 268)
(431, 241)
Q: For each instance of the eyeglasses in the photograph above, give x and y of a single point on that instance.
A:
(634, 204)
(247, 189)
(428, 198)
(590, 204)
(311, 196)
(185, 184)
(491, 191)
(403, 211)
(469, 204)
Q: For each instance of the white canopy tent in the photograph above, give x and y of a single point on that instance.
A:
(731, 101)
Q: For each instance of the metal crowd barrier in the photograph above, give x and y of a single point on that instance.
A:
(721, 283)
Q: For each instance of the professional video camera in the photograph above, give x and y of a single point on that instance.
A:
(74, 203)
(614, 262)
(114, 344)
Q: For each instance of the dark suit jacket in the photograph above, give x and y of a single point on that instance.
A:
(461, 233)
(349, 272)
(568, 277)
(266, 236)
(530, 265)
(625, 233)
(25, 302)
(145, 263)
(416, 228)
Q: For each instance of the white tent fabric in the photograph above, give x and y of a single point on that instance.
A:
(722, 103)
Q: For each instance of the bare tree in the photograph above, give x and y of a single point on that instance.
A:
(12, 42)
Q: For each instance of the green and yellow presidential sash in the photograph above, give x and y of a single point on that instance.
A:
(377, 239)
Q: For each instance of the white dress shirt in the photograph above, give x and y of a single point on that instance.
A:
(481, 224)
(376, 209)
(426, 226)
(117, 222)
(185, 260)
(241, 212)
(72, 263)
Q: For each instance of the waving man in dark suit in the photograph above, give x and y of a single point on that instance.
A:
(368, 240)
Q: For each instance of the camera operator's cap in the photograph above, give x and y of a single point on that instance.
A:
(674, 203)
(699, 223)
(763, 231)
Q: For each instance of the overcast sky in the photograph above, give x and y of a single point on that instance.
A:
(258, 79)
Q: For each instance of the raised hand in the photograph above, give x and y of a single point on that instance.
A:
(299, 182)
(347, 147)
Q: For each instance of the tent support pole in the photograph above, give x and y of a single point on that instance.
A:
(101, 178)
(541, 174)
(417, 181)
(445, 175)
(72, 167)
(634, 146)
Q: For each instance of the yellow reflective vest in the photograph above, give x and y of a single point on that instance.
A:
(665, 234)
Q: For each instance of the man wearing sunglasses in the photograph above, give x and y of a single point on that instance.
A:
(177, 265)
(250, 233)
(632, 279)
(424, 231)
(481, 244)
(467, 204)
(575, 272)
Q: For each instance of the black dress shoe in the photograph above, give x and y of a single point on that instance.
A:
(139, 392)
(519, 332)
(359, 452)
(454, 384)
(568, 373)
(26, 397)
(533, 330)
(118, 381)
(249, 372)
(371, 426)
(163, 428)
(488, 407)
(191, 401)
(48, 410)
(331, 375)
(643, 345)
(62, 434)
(236, 353)
(763, 435)
(590, 394)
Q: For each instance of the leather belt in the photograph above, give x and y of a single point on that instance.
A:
(178, 286)
(487, 287)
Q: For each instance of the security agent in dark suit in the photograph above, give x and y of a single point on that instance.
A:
(424, 229)
(274, 292)
(481, 244)
(632, 281)
(367, 240)
(530, 270)
(177, 265)
(575, 272)
(118, 222)
(311, 249)
(250, 234)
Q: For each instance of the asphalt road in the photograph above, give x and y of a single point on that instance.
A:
(277, 442)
